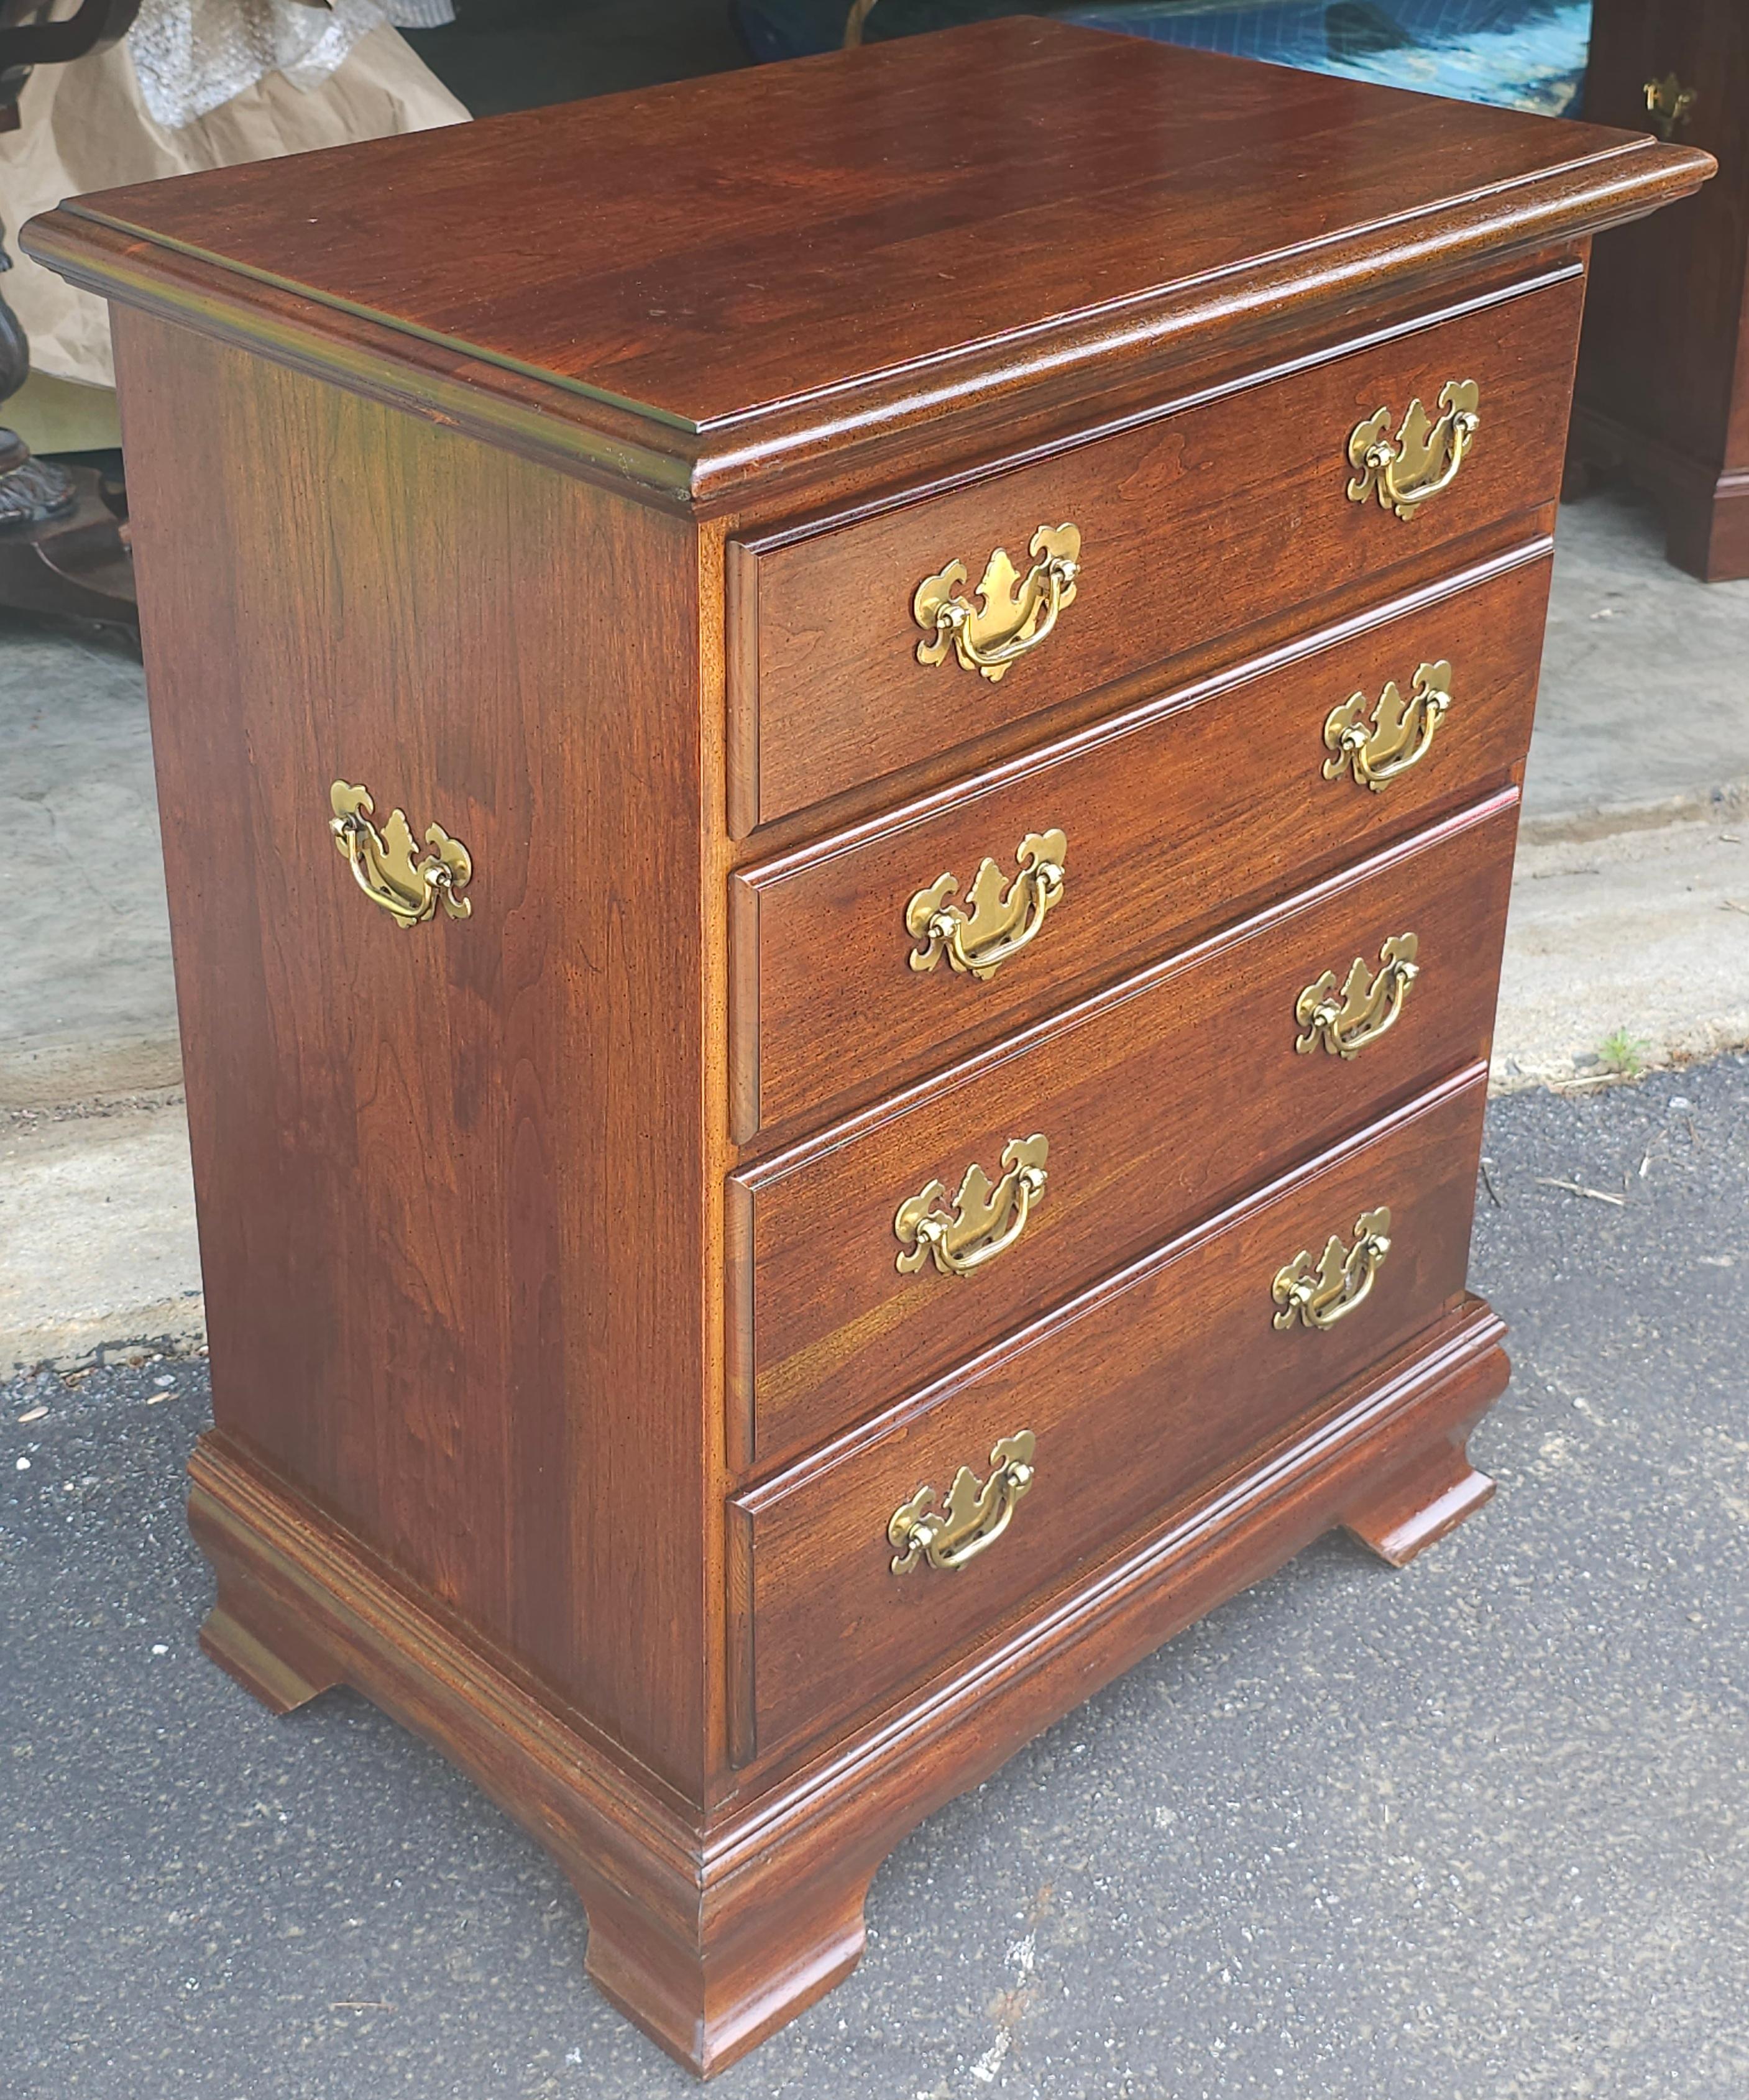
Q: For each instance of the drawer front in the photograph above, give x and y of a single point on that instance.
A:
(1159, 1102)
(1191, 527)
(1176, 821)
(1135, 1399)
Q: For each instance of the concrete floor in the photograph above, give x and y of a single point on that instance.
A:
(1477, 1831)
(1630, 913)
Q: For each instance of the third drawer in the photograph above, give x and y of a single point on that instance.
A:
(1155, 1103)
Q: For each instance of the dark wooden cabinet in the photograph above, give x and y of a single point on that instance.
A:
(1663, 390)
(839, 751)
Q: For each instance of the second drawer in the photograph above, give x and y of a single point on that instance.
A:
(1156, 1103)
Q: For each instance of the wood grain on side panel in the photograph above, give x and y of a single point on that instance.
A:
(440, 1299)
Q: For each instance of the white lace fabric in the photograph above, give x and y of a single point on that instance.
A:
(191, 57)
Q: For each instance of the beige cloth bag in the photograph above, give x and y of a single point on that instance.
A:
(84, 126)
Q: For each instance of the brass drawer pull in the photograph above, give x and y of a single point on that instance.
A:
(993, 923)
(1399, 735)
(983, 1221)
(408, 885)
(1343, 1278)
(976, 1515)
(1366, 1007)
(1425, 456)
(1015, 613)
(1668, 104)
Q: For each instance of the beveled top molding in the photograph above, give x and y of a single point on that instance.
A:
(703, 290)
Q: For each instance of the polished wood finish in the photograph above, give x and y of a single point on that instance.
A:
(1162, 1099)
(438, 448)
(970, 240)
(1193, 525)
(1664, 376)
(1116, 1386)
(1180, 815)
(402, 1307)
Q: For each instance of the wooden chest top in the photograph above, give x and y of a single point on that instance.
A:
(728, 273)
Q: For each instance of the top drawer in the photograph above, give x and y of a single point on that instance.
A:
(1199, 522)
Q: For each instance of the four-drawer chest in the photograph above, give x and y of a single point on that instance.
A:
(839, 751)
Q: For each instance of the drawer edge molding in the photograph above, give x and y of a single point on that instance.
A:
(760, 1172)
(761, 789)
(844, 1448)
(751, 1186)
(967, 788)
(810, 926)
(1459, 1359)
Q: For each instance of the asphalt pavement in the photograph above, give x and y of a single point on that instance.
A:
(1477, 1831)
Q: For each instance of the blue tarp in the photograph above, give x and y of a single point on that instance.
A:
(1528, 54)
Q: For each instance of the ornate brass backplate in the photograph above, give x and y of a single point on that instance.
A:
(1399, 734)
(982, 1222)
(976, 1513)
(409, 885)
(1320, 1297)
(1424, 457)
(995, 921)
(1365, 1008)
(1014, 614)
(1668, 102)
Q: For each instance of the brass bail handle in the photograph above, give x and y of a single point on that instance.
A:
(390, 869)
(1345, 1022)
(997, 919)
(1378, 745)
(985, 1219)
(974, 1516)
(1318, 1297)
(1424, 458)
(1009, 615)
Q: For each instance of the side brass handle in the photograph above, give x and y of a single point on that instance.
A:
(409, 885)
(1400, 734)
(1015, 614)
(995, 922)
(1365, 1008)
(1342, 1280)
(976, 1513)
(1424, 457)
(1667, 104)
(983, 1222)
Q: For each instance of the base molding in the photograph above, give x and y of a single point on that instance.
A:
(1706, 507)
(711, 1927)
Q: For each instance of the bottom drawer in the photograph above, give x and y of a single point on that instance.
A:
(1119, 1408)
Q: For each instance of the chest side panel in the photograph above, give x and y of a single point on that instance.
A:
(416, 1147)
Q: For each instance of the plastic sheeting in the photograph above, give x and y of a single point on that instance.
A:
(192, 57)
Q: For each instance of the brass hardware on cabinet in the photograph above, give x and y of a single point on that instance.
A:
(1320, 1297)
(1015, 614)
(408, 885)
(1667, 104)
(983, 1220)
(1365, 1008)
(994, 922)
(1399, 735)
(976, 1513)
(1424, 457)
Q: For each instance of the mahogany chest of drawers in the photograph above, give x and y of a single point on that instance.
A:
(839, 751)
